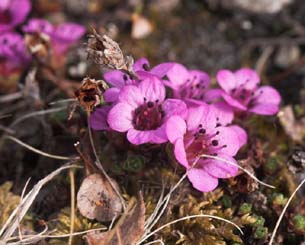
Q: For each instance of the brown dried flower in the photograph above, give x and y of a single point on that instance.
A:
(90, 94)
(105, 51)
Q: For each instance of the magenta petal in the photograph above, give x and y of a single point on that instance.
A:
(228, 141)
(220, 169)
(175, 128)
(223, 112)
(177, 75)
(267, 101)
(174, 107)
(111, 94)
(116, 78)
(158, 136)
(120, 117)
(132, 95)
(212, 95)
(19, 10)
(180, 153)
(265, 109)
(241, 134)
(162, 69)
(98, 119)
(226, 80)
(69, 32)
(202, 115)
(138, 137)
(140, 65)
(38, 25)
(201, 180)
(247, 77)
(152, 89)
(233, 102)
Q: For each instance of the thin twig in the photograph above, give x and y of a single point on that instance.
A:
(21, 198)
(72, 216)
(234, 164)
(100, 166)
(10, 97)
(53, 236)
(37, 113)
(39, 151)
(192, 217)
(283, 212)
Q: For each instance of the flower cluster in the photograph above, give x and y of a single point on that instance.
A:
(13, 52)
(170, 103)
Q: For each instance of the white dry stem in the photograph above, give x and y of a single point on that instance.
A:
(155, 241)
(153, 215)
(37, 113)
(21, 198)
(283, 212)
(39, 151)
(72, 215)
(35, 238)
(32, 239)
(10, 97)
(243, 169)
(62, 101)
(19, 212)
(192, 217)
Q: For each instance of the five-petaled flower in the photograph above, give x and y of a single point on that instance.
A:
(200, 134)
(142, 111)
(241, 91)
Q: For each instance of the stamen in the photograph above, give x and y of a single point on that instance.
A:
(215, 142)
(125, 77)
(150, 104)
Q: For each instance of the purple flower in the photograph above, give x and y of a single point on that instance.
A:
(192, 86)
(13, 53)
(12, 13)
(142, 111)
(118, 79)
(198, 135)
(62, 36)
(241, 91)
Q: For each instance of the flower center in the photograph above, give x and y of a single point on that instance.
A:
(148, 116)
(193, 88)
(200, 142)
(5, 17)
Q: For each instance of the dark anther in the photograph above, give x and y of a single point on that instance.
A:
(202, 131)
(150, 104)
(217, 118)
(224, 146)
(215, 142)
(200, 126)
(218, 125)
(125, 77)
(157, 101)
(145, 99)
(233, 90)
(215, 154)
(197, 85)
(217, 133)
(145, 67)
